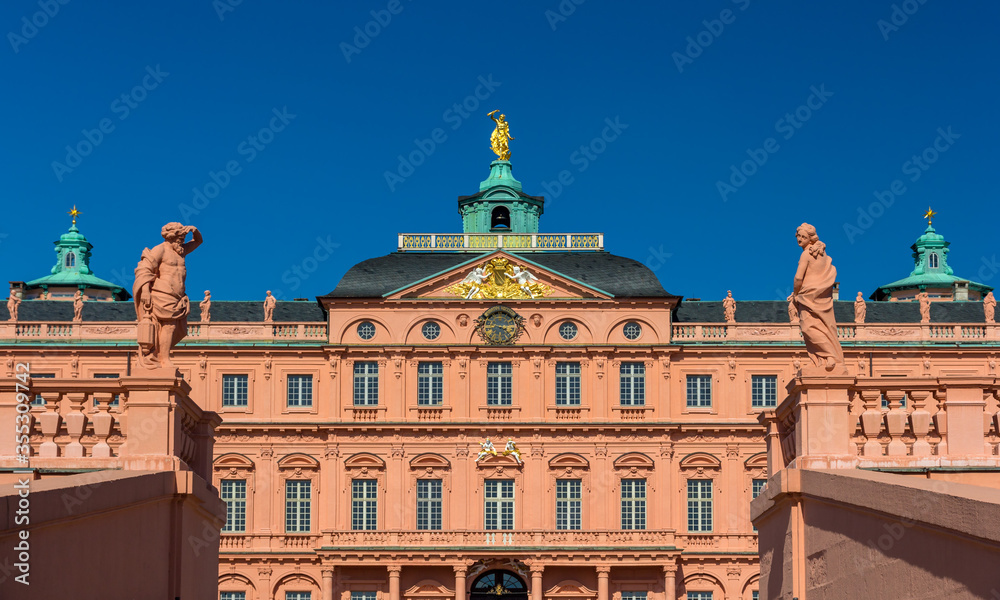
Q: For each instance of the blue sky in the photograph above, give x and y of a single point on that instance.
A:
(830, 103)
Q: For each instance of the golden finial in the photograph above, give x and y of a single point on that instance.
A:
(74, 213)
(929, 215)
(500, 135)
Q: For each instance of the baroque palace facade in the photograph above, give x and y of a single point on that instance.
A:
(496, 413)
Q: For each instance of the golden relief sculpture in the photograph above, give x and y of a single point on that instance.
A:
(497, 280)
(500, 135)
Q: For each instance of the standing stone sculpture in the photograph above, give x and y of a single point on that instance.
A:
(989, 307)
(925, 307)
(729, 307)
(78, 306)
(793, 313)
(161, 305)
(269, 303)
(860, 309)
(812, 292)
(13, 303)
(205, 307)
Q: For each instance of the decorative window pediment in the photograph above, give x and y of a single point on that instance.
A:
(364, 460)
(634, 459)
(233, 465)
(756, 465)
(569, 460)
(298, 461)
(429, 588)
(429, 460)
(570, 589)
(700, 465)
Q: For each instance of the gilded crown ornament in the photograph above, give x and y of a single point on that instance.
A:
(499, 280)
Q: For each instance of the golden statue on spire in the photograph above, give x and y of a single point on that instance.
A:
(929, 215)
(500, 135)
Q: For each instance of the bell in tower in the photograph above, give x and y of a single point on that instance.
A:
(500, 218)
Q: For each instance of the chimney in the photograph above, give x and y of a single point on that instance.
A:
(960, 291)
(836, 290)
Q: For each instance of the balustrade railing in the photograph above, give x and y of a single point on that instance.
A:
(560, 538)
(450, 242)
(851, 333)
(197, 332)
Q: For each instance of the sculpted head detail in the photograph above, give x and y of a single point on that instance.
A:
(805, 234)
(173, 232)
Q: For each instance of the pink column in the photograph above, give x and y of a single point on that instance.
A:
(536, 582)
(394, 581)
(603, 575)
(670, 581)
(460, 572)
(327, 584)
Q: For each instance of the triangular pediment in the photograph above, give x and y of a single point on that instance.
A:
(498, 276)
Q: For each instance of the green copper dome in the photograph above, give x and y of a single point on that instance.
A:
(501, 206)
(72, 268)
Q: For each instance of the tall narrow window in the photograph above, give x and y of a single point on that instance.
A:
(429, 504)
(934, 260)
(234, 493)
(569, 499)
(300, 390)
(70, 260)
(699, 391)
(364, 504)
(298, 504)
(699, 505)
(499, 384)
(430, 384)
(568, 384)
(366, 383)
(234, 390)
(499, 504)
(764, 391)
(633, 503)
(633, 384)
(758, 487)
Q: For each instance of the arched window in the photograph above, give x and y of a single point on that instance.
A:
(500, 218)
(933, 261)
(494, 584)
(70, 259)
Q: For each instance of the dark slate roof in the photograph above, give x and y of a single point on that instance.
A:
(619, 276)
(222, 311)
(878, 312)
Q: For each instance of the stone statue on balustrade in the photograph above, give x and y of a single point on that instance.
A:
(860, 309)
(13, 303)
(729, 307)
(269, 303)
(78, 306)
(925, 307)
(205, 307)
(161, 305)
(812, 292)
(989, 307)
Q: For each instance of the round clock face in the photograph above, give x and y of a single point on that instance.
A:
(500, 328)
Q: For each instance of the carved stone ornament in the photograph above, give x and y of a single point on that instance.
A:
(497, 279)
(500, 326)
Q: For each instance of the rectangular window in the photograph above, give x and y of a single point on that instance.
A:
(764, 391)
(234, 390)
(363, 595)
(298, 504)
(633, 503)
(429, 504)
(364, 504)
(699, 391)
(568, 384)
(232, 596)
(699, 505)
(499, 384)
(300, 390)
(234, 494)
(633, 384)
(633, 595)
(116, 397)
(430, 384)
(699, 596)
(366, 383)
(500, 504)
(38, 400)
(298, 595)
(758, 486)
(756, 595)
(569, 500)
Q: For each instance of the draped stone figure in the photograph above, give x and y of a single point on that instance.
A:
(161, 305)
(78, 306)
(13, 303)
(860, 309)
(812, 292)
(729, 307)
(206, 307)
(989, 307)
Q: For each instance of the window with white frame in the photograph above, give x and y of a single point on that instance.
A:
(568, 384)
(569, 501)
(364, 504)
(234, 493)
(764, 391)
(699, 391)
(699, 596)
(234, 390)
(633, 384)
(699, 505)
(633, 595)
(366, 383)
(429, 504)
(758, 487)
(364, 595)
(633, 503)
(499, 504)
(298, 595)
(756, 595)
(430, 384)
(298, 504)
(232, 596)
(499, 384)
(300, 390)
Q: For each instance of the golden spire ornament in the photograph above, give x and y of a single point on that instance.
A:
(929, 215)
(74, 213)
(500, 135)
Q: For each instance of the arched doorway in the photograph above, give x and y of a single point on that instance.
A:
(498, 585)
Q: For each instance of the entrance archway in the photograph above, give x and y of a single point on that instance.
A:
(498, 585)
